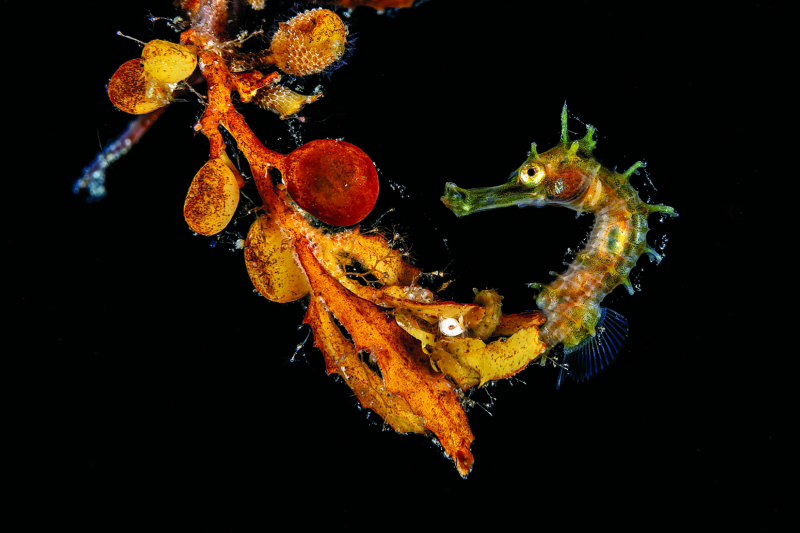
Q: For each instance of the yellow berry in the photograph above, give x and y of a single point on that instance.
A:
(168, 62)
(271, 264)
(133, 91)
(212, 198)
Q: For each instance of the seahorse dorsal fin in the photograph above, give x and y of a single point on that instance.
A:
(596, 352)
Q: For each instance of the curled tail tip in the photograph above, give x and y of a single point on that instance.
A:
(595, 353)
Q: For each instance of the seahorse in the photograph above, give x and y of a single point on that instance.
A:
(568, 175)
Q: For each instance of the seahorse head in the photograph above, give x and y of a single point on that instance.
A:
(560, 176)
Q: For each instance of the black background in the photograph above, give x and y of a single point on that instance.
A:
(153, 382)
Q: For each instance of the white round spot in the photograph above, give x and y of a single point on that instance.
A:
(450, 327)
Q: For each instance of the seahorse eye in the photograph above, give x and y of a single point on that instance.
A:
(531, 175)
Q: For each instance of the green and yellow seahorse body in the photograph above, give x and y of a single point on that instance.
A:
(569, 176)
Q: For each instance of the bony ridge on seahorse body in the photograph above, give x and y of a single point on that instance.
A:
(569, 176)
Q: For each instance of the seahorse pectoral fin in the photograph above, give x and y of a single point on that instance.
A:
(464, 202)
(596, 352)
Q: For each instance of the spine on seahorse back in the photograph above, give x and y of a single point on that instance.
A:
(568, 175)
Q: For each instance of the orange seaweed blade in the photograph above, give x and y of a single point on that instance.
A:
(405, 368)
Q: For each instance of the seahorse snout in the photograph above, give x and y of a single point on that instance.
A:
(467, 201)
(456, 199)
